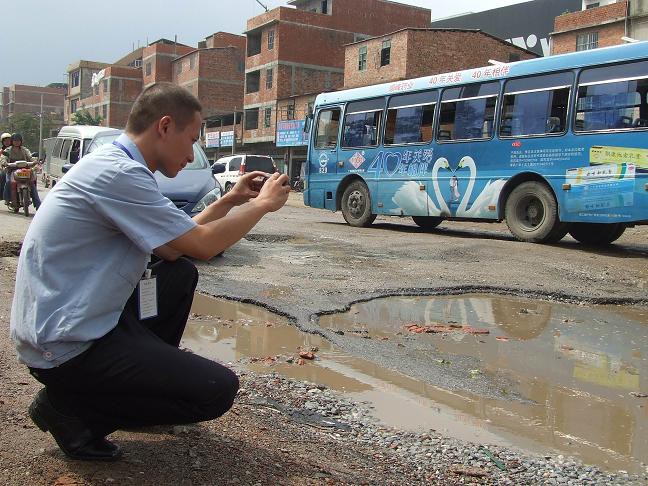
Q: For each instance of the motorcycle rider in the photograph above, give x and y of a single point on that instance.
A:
(12, 154)
(5, 139)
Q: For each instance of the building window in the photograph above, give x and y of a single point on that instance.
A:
(269, 80)
(179, 67)
(148, 68)
(105, 85)
(252, 82)
(267, 117)
(75, 78)
(290, 112)
(385, 53)
(309, 107)
(192, 62)
(104, 112)
(362, 58)
(73, 105)
(324, 6)
(585, 42)
(592, 5)
(271, 35)
(252, 119)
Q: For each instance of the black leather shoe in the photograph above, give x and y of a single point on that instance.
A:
(72, 436)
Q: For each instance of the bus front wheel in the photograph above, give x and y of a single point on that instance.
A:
(427, 222)
(356, 205)
(596, 234)
(531, 214)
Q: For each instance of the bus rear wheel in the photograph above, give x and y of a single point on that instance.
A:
(356, 205)
(531, 213)
(427, 222)
(596, 234)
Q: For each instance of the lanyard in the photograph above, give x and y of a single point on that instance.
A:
(124, 149)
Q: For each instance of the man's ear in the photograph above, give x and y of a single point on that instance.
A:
(164, 125)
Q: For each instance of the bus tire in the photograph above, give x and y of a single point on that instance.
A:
(596, 234)
(356, 205)
(531, 213)
(427, 222)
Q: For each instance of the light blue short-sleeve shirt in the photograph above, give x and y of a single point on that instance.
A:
(85, 251)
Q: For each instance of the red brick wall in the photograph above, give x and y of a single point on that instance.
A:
(225, 39)
(608, 21)
(590, 17)
(418, 53)
(361, 16)
(221, 86)
(163, 55)
(608, 35)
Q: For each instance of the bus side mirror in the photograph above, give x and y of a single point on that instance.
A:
(308, 123)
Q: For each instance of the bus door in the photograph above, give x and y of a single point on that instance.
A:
(405, 168)
(323, 159)
(463, 163)
(359, 145)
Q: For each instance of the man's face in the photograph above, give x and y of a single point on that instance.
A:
(178, 147)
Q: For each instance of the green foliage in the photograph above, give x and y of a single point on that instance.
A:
(84, 117)
(28, 125)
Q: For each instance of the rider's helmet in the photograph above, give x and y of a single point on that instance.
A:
(16, 137)
(4, 137)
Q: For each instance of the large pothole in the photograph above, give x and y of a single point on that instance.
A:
(581, 370)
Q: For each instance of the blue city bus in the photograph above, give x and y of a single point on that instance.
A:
(551, 145)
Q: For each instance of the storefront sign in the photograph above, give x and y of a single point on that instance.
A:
(290, 133)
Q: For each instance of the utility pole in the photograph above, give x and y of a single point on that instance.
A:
(266, 8)
(40, 131)
(234, 132)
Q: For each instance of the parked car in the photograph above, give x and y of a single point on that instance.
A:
(234, 166)
(192, 190)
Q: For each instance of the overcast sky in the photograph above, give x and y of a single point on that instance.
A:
(47, 36)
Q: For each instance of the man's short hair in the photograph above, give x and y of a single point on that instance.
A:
(160, 100)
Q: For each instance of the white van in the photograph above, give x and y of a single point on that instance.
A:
(70, 145)
(237, 165)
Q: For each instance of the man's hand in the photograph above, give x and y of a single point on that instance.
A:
(246, 188)
(274, 193)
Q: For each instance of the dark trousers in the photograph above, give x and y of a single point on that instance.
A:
(135, 375)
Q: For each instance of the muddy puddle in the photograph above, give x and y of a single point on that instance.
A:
(581, 370)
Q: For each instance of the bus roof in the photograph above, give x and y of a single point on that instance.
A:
(594, 57)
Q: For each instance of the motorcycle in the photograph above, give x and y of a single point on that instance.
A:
(20, 177)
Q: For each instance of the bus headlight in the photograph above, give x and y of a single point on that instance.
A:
(209, 198)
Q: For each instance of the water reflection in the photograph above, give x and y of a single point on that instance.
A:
(576, 363)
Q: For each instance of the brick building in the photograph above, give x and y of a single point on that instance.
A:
(80, 84)
(295, 53)
(114, 89)
(213, 72)
(413, 53)
(600, 24)
(21, 98)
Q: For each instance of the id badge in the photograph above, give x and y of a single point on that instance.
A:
(147, 293)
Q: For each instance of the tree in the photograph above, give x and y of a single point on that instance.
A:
(84, 117)
(28, 125)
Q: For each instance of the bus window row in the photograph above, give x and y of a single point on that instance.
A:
(607, 98)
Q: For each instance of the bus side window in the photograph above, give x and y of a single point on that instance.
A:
(362, 123)
(535, 105)
(410, 118)
(613, 98)
(328, 123)
(468, 112)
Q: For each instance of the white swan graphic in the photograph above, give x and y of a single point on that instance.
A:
(408, 199)
(488, 197)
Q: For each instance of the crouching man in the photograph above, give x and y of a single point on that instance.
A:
(97, 327)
